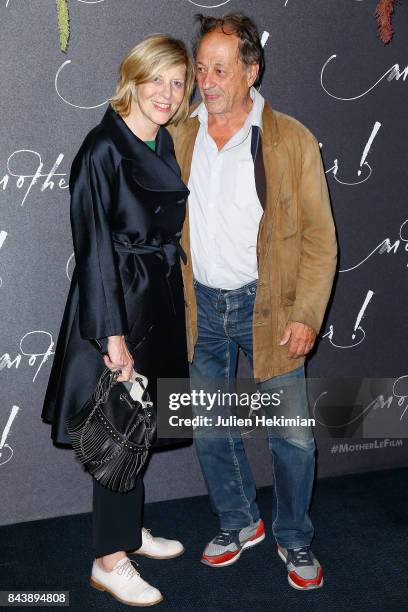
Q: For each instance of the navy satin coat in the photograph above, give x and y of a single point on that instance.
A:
(127, 211)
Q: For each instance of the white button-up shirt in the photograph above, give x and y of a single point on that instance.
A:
(224, 208)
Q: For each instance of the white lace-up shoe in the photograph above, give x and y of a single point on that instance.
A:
(158, 548)
(125, 584)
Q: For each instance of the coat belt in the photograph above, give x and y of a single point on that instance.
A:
(168, 251)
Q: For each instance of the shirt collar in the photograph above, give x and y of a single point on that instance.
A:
(254, 117)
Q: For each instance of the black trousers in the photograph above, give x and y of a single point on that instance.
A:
(117, 519)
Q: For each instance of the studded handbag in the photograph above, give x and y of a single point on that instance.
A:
(113, 432)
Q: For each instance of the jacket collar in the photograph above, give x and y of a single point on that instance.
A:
(185, 136)
(154, 170)
(271, 135)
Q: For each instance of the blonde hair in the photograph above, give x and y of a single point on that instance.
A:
(145, 61)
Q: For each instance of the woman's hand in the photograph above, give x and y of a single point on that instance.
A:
(119, 358)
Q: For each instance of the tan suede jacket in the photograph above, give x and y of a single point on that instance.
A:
(296, 247)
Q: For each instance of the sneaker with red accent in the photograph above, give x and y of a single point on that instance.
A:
(304, 570)
(227, 547)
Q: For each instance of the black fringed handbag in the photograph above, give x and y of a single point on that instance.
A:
(113, 432)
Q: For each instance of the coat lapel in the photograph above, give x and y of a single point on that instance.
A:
(273, 160)
(184, 138)
(157, 171)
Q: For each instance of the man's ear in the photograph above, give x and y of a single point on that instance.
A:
(252, 74)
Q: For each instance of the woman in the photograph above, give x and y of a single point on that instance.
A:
(126, 297)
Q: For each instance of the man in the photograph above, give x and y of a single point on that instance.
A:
(261, 249)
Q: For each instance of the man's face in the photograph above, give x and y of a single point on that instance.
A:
(223, 79)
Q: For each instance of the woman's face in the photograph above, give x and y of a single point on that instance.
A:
(159, 99)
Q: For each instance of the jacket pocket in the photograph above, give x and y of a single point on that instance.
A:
(284, 309)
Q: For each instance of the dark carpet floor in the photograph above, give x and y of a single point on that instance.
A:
(361, 540)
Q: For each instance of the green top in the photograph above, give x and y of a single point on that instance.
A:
(151, 144)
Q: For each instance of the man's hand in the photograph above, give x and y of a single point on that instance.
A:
(300, 337)
(119, 358)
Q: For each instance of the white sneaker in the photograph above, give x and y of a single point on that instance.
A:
(125, 584)
(158, 548)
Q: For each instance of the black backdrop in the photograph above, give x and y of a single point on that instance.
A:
(327, 67)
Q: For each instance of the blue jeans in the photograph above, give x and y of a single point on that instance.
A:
(224, 326)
